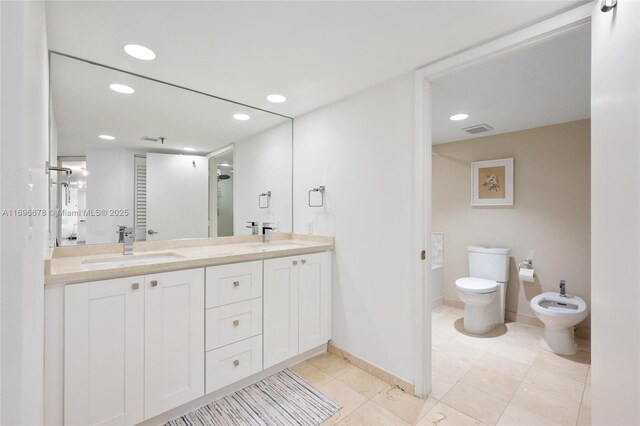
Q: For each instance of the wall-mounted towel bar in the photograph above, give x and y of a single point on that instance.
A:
(319, 189)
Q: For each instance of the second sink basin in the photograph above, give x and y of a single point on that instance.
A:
(129, 260)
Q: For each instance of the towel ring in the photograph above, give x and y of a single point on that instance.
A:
(266, 196)
(319, 189)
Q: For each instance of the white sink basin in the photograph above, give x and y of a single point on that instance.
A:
(276, 246)
(129, 260)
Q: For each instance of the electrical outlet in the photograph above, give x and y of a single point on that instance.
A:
(309, 227)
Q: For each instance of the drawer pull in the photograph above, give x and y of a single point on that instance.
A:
(236, 323)
(154, 283)
(304, 261)
(135, 286)
(295, 262)
(236, 283)
(236, 363)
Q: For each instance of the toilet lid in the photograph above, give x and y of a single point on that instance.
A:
(476, 285)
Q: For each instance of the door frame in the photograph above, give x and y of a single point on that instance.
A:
(422, 167)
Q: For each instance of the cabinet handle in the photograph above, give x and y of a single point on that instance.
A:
(236, 363)
(304, 261)
(135, 286)
(295, 262)
(236, 323)
(236, 283)
(154, 283)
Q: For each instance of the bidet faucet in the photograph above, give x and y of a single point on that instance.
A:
(563, 290)
(267, 229)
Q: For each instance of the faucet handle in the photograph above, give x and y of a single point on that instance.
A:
(251, 224)
(563, 283)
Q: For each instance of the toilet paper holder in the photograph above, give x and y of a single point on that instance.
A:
(528, 263)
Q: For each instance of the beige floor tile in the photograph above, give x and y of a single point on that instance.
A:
(548, 395)
(589, 376)
(569, 367)
(362, 382)
(489, 380)
(442, 415)
(441, 334)
(475, 403)
(584, 416)
(503, 365)
(440, 311)
(514, 416)
(450, 366)
(440, 385)
(515, 352)
(586, 395)
(483, 343)
(462, 351)
(327, 422)
(523, 336)
(349, 399)
(407, 407)
(311, 374)
(330, 364)
(371, 414)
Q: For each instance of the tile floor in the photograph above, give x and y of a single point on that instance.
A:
(504, 379)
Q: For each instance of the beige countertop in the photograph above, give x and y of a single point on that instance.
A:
(69, 265)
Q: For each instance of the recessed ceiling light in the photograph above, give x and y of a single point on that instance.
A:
(189, 149)
(276, 99)
(107, 137)
(241, 117)
(224, 165)
(140, 52)
(121, 88)
(459, 116)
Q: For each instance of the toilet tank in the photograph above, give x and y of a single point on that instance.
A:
(491, 263)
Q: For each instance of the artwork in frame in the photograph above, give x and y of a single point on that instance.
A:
(492, 182)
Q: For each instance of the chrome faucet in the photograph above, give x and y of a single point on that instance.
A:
(126, 235)
(267, 229)
(563, 291)
(254, 227)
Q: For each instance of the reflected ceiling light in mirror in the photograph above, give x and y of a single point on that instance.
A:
(459, 116)
(189, 149)
(241, 117)
(140, 52)
(224, 165)
(84, 172)
(276, 99)
(107, 137)
(121, 88)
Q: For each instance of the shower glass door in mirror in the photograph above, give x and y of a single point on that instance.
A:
(166, 161)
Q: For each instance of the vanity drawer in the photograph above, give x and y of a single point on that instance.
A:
(232, 323)
(233, 283)
(232, 363)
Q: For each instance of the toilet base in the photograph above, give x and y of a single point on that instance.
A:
(560, 341)
(478, 319)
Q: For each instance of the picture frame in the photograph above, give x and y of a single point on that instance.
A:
(492, 182)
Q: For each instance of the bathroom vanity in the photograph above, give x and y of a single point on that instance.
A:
(132, 337)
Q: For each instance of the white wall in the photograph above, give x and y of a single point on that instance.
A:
(615, 220)
(360, 149)
(262, 163)
(23, 153)
(109, 186)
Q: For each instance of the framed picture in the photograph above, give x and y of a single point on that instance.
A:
(492, 182)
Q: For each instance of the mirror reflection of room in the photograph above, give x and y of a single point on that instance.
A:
(164, 161)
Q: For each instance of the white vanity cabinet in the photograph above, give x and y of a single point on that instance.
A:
(174, 339)
(297, 305)
(104, 352)
(133, 347)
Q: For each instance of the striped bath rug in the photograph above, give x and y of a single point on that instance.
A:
(283, 399)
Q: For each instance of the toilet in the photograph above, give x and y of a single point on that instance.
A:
(560, 314)
(484, 291)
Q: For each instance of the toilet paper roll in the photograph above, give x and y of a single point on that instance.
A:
(526, 275)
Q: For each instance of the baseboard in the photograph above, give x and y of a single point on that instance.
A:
(455, 303)
(438, 301)
(378, 372)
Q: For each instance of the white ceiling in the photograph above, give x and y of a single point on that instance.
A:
(312, 52)
(548, 83)
(84, 107)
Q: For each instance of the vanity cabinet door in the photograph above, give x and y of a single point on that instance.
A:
(104, 353)
(280, 298)
(315, 300)
(174, 339)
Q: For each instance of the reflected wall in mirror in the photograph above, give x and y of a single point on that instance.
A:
(167, 161)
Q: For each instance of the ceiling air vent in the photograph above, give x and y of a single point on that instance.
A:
(480, 128)
(152, 139)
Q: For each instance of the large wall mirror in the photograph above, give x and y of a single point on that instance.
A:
(167, 161)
